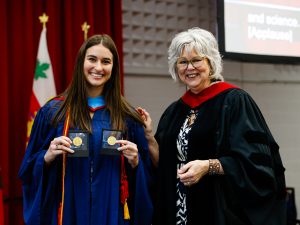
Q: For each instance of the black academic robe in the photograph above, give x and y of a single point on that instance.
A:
(231, 128)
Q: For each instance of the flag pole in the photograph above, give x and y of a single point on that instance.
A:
(85, 28)
(44, 19)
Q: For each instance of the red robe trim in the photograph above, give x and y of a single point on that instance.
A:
(194, 100)
(64, 162)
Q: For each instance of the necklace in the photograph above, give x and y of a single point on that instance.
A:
(192, 117)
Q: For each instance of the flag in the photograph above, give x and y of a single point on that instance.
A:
(1, 200)
(43, 81)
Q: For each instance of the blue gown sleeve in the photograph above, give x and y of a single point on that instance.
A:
(32, 171)
(143, 179)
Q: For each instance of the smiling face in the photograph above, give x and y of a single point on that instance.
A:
(193, 70)
(97, 68)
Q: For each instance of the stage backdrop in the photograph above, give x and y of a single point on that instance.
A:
(20, 32)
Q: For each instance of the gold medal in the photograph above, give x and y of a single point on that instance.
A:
(77, 141)
(111, 140)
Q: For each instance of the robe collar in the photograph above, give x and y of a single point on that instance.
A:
(93, 103)
(194, 100)
(96, 103)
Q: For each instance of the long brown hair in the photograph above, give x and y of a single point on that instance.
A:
(75, 96)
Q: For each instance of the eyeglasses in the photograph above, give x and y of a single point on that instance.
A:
(196, 62)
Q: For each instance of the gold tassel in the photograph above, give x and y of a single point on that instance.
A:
(126, 211)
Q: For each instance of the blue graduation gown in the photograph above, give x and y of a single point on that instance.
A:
(92, 184)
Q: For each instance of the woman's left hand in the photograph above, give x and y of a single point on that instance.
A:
(193, 171)
(130, 151)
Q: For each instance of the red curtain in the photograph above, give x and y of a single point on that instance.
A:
(20, 31)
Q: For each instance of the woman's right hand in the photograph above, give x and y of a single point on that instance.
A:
(152, 143)
(147, 120)
(57, 147)
(193, 171)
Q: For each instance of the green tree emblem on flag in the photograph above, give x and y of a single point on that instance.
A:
(40, 70)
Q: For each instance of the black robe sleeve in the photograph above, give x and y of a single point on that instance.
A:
(253, 185)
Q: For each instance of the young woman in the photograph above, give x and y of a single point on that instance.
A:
(97, 188)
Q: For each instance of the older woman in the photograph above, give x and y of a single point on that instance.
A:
(217, 160)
